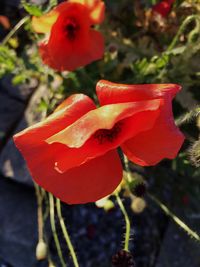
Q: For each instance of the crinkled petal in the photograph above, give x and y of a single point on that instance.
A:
(110, 93)
(44, 23)
(70, 110)
(102, 130)
(163, 140)
(96, 9)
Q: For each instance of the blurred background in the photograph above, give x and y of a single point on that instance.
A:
(144, 44)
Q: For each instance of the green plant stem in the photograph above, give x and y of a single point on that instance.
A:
(186, 228)
(53, 227)
(39, 212)
(65, 233)
(127, 221)
(181, 30)
(15, 29)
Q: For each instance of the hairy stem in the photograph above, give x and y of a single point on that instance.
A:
(186, 228)
(181, 30)
(127, 221)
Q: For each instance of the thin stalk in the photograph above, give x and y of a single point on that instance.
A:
(39, 212)
(53, 227)
(181, 30)
(186, 228)
(127, 221)
(15, 29)
(65, 233)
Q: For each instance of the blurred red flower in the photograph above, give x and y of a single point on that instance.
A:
(5, 22)
(73, 153)
(163, 8)
(72, 42)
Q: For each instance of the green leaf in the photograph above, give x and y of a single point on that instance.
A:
(32, 9)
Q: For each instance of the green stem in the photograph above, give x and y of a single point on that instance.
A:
(39, 212)
(127, 221)
(189, 231)
(181, 30)
(53, 227)
(15, 29)
(65, 233)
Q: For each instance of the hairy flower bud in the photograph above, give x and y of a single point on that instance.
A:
(123, 259)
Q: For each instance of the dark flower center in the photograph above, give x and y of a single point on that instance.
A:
(108, 135)
(71, 28)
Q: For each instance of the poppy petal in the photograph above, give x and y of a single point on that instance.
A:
(96, 9)
(164, 140)
(86, 183)
(70, 110)
(44, 23)
(102, 130)
(110, 93)
(68, 57)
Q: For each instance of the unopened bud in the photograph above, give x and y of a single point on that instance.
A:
(138, 205)
(41, 250)
(195, 153)
(109, 205)
(51, 264)
(123, 259)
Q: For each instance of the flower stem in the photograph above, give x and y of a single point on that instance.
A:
(15, 29)
(186, 228)
(39, 212)
(65, 233)
(127, 221)
(53, 227)
(181, 30)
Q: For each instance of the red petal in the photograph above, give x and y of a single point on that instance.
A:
(86, 183)
(162, 141)
(79, 139)
(96, 9)
(110, 93)
(30, 140)
(163, 8)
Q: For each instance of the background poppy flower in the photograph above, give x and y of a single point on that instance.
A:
(72, 42)
(163, 8)
(73, 153)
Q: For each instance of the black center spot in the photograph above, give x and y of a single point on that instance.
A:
(71, 28)
(108, 135)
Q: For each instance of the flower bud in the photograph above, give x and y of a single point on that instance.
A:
(123, 259)
(41, 250)
(138, 205)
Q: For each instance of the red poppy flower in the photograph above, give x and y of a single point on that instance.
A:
(72, 42)
(73, 153)
(163, 8)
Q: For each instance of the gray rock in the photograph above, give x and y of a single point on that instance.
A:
(178, 249)
(10, 112)
(21, 92)
(18, 224)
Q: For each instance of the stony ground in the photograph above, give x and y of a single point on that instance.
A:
(97, 235)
